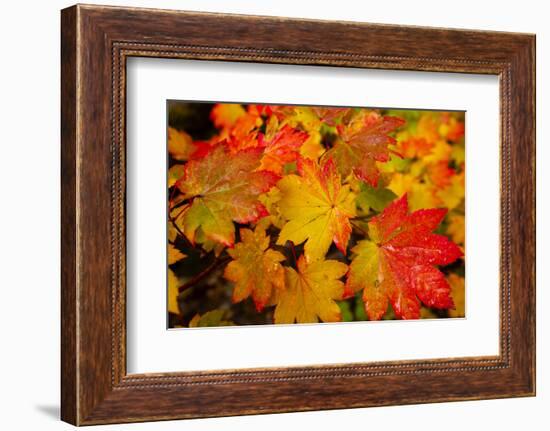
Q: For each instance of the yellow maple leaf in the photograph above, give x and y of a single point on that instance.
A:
(173, 293)
(456, 228)
(255, 269)
(440, 151)
(172, 232)
(318, 208)
(225, 115)
(270, 201)
(175, 173)
(174, 255)
(421, 195)
(180, 144)
(458, 292)
(310, 292)
(453, 194)
(312, 147)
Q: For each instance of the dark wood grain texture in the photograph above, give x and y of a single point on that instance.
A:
(95, 43)
(69, 397)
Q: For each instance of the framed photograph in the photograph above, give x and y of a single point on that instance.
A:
(265, 214)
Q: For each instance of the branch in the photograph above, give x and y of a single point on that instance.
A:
(204, 273)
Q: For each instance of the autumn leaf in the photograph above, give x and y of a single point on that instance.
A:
(440, 151)
(256, 269)
(223, 188)
(225, 115)
(174, 255)
(459, 295)
(173, 292)
(209, 319)
(271, 202)
(318, 208)
(207, 244)
(415, 147)
(301, 118)
(456, 228)
(172, 232)
(310, 292)
(362, 142)
(180, 144)
(420, 195)
(376, 198)
(453, 194)
(330, 116)
(440, 173)
(174, 174)
(282, 148)
(451, 128)
(398, 264)
(243, 133)
(458, 154)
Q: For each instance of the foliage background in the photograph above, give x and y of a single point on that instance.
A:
(430, 171)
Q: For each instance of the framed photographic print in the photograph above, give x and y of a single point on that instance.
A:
(255, 205)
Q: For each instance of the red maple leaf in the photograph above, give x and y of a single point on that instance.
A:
(399, 264)
(282, 148)
(362, 142)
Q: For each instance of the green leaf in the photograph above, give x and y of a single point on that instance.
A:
(345, 309)
(376, 198)
(210, 318)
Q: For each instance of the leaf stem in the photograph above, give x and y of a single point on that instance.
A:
(293, 249)
(360, 229)
(186, 202)
(180, 233)
(180, 213)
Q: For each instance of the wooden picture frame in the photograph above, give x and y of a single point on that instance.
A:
(95, 43)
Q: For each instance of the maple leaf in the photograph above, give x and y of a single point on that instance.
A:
(270, 200)
(174, 255)
(419, 194)
(310, 292)
(173, 293)
(244, 133)
(362, 142)
(312, 148)
(456, 228)
(318, 208)
(330, 116)
(180, 144)
(174, 174)
(451, 128)
(453, 194)
(440, 173)
(415, 147)
(209, 319)
(223, 188)
(458, 293)
(281, 148)
(398, 264)
(256, 269)
(376, 198)
(441, 150)
(305, 119)
(225, 115)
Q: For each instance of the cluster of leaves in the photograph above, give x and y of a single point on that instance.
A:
(304, 211)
